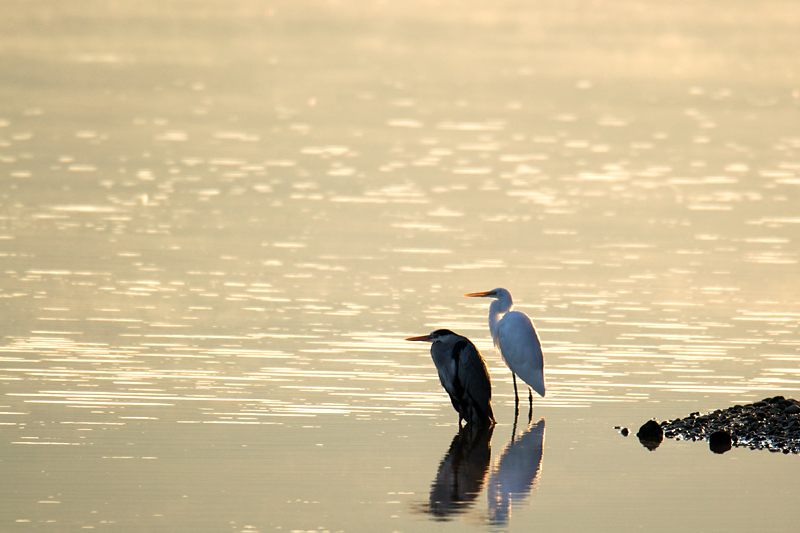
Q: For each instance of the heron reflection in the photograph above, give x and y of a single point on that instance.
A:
(516, 472)
(462, 473)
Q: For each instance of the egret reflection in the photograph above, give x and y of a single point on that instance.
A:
(462, 473)
(516, 472)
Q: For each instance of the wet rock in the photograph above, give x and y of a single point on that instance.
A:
(650, 435)
(720, 441)
(624, 432)
(772, 424)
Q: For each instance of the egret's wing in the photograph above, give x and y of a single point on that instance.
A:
(521, 349)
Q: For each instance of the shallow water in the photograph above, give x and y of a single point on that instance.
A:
(220, 222)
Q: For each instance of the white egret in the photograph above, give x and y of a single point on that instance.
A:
(463, 374)
(516, 341)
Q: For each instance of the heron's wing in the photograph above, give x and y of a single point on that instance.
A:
(474, 377)
(447, 368)
(521, 349)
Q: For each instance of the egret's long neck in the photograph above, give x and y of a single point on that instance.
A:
(496, 311)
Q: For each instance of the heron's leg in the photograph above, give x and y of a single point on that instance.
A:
(516, 395)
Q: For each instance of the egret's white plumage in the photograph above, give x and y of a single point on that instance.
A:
(515, 339)
(463, 374)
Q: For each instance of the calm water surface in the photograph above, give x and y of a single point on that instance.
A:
(220, 220)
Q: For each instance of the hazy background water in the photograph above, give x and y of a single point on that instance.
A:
(221, 219)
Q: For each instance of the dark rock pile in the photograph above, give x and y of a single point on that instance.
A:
(772, 424)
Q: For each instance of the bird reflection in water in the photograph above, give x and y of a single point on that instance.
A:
(516, 472)
(462, 473)
(466, 466)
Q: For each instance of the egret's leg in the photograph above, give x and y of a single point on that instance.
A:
(516, 396)
(530, 406)
(514, 429)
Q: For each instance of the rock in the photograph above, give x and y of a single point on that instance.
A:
(650, 435)
(772, 424)
(720, 441)
(624, 432)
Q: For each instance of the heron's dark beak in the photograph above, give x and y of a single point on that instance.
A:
(423, 338)
(483, 293)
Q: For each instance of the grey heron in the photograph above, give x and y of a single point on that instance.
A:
(463, 374)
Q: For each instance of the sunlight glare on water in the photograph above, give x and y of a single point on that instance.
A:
(219, 224)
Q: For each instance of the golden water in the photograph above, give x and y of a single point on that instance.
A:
(219, 221)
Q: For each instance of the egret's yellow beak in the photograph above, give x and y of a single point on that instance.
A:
(423, 338)
(483, 293)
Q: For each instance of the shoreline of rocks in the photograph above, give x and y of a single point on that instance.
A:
(771, 424)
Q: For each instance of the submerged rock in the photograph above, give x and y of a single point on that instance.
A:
(772, 424)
